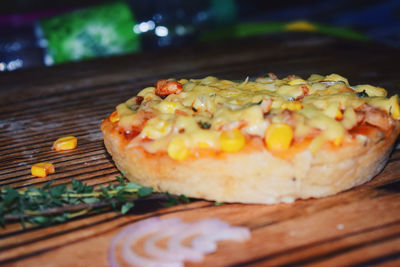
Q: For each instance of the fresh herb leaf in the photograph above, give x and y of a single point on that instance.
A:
(48, 204)
(184, 199)
(90, 200)
(175, 200)
(132, 185)
(145, 191)
(42, 220)
(58, 190)
(10, 196)
(126, 207)
(120, 179)
(46, 185)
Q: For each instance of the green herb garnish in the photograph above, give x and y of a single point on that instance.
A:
(204, 125)
(362, 94)
(48, 204)
(175, 200)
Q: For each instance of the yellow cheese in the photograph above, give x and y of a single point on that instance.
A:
(332, 129)
(149, 94)
(168, 107)
(349, 118)
(371, 90)
(314, 78)
(336, 78)
(207, 109)
(291, 105)
(156, 127)
(124, 110)
(297, 81)
(290, 92)
(391, 105)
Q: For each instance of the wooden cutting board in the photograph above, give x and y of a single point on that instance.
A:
(359, 227)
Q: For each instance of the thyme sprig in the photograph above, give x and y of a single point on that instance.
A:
(49, 204)
(173, 200)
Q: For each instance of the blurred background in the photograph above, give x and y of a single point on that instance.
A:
(46, 32)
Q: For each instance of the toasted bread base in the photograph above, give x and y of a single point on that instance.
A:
(253, 175)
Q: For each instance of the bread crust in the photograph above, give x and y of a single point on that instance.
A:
(254, 175)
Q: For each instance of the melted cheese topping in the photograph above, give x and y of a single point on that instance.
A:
(322, 107)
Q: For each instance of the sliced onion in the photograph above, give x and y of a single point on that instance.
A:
(164, 254)
(134, 232)
(205, 234)
(203, 227)
(207, 243)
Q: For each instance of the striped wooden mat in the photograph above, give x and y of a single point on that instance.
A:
(360, 227)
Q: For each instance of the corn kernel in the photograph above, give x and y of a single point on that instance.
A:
(337, 141)
(156, 128)
(177, 149)
(297, 81)
(232, 141)
(65, 143)
(278, 136)
(167, 107)
(394, 108)
(202, 144)
(42, 169)
(292, 105)
(114, 117)
(339, 115)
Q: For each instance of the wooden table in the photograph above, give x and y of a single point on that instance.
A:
(359, 227)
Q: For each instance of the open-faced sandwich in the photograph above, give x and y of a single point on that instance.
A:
(265, 141)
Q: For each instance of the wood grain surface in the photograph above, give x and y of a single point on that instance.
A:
(359, 227)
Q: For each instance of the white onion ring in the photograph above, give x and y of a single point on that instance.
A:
(134, 232)
(203, 227)
(205, 232)
(207, 243)
(165, 254)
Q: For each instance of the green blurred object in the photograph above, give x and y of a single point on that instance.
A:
(225, 11)
(258, 28)
(89, 33)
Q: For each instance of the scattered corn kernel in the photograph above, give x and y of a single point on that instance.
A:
(42, 169)
(278, 136)
(177, 149)
(114, 117)
(291, 105)
(232, 141)
(297, 81)
(65, 143)
(395, 109)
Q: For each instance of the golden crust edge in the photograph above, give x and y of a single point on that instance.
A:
(246, 178)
